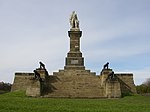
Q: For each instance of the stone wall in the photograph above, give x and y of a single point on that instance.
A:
(75, 84)
(22, 81)
(34, 89)
(126, 82)
(113, 89)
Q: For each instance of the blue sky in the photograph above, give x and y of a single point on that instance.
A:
(113, 30)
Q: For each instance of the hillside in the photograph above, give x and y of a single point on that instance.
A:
(18, 102)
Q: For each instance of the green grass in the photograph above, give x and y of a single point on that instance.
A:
(18, 102)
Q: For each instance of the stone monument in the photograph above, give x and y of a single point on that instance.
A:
(74, 58)
(74, 81)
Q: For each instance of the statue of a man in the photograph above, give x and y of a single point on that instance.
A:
(42, 66)
(106, 65)
(74, 20)
(37, 76)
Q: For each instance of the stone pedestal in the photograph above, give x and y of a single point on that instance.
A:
(43, 73)
(104, 75)
(74, 59)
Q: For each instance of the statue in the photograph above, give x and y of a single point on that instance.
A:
(42, 66)
(106, 66)
(74, 21)
(111, 75)
(37, 76)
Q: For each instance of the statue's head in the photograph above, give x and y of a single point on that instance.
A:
(73, 12)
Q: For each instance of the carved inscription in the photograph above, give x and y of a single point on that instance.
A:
(74, 61)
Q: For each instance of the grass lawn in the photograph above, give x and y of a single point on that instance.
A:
(18, 102)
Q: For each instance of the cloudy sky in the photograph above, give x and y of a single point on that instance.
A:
(117, 31)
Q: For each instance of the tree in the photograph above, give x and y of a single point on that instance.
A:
(5, 86)
(144, 88)
(147, 82)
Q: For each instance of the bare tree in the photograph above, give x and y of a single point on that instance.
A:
(147, 82)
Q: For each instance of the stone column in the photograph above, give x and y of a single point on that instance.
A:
(74, 59)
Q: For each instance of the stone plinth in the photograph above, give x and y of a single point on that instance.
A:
(104, 75)
(74, 59)
(43, 73)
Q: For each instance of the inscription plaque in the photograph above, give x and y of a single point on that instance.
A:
(74, 61)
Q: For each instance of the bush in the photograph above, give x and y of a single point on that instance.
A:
(144, 88)
(5, 87)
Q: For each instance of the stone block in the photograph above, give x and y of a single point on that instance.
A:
(21, 81)
(34, 89)
(112, 89)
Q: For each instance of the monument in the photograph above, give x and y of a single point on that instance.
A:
(74, 81)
